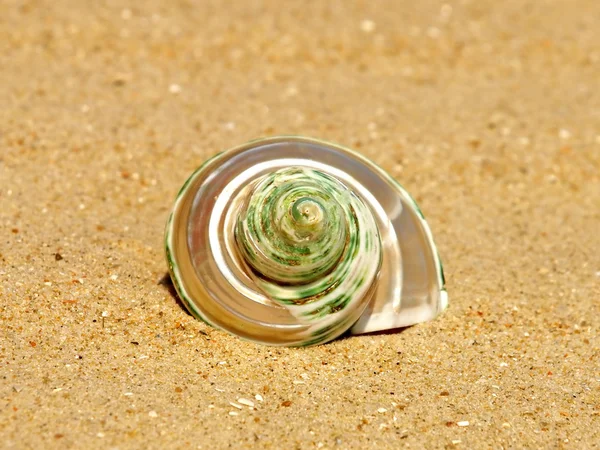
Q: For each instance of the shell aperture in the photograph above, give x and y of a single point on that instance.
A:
(312, 244)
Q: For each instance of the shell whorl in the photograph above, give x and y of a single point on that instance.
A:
(309, 242)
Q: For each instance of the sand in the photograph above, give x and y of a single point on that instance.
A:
(487, 112)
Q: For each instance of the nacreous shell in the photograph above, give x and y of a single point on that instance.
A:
(292, 241)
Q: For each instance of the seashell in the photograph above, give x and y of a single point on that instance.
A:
(294, 241)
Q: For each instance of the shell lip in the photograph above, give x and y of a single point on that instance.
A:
(404, 303)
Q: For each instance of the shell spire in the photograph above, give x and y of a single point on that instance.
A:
(312, 245)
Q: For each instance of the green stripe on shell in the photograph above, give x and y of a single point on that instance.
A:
(311, 244)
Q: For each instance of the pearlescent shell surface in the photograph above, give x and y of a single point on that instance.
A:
(292, 241)
(312, 244)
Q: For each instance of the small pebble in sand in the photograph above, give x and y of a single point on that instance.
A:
(120, 80)
(259, 397)
(235, 405)
(234, 413)
(382, 410)
(463, 423)
(564, 134)
(456, 441)
(368, 26)
(246, 402)
(503, 364)
(153, 414)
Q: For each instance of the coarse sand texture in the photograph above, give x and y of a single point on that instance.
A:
(487, 112)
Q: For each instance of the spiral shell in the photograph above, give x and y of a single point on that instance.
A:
(312, 245)
(292, 241)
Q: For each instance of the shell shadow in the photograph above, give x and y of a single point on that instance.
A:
(168, 284)
(347, 334)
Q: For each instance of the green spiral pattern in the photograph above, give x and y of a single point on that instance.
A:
(309, 242)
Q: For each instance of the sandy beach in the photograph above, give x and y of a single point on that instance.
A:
(487, 112)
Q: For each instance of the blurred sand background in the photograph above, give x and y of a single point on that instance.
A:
(488, 112)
